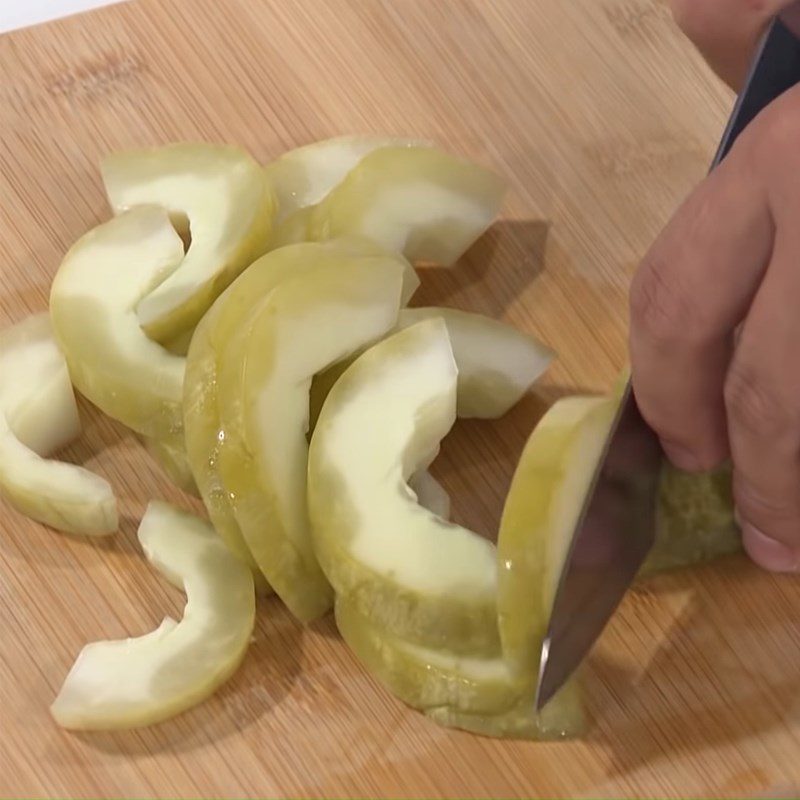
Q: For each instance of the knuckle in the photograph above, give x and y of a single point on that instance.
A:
(659, 306)
(770, 509)
(690, 16)
(754, 408)
(777, 132)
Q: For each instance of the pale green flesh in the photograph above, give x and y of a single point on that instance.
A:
(430, 494)
(415, 200)
(424, 677)
(540, 514)
(427, 580)
(229, 206)
(497, 364)
(66, 497)
(230, 315)
(35, 391)
(305, 175)
(93, 309)
(303, 326)
(38, 414)
(494, 696)
(134, 682)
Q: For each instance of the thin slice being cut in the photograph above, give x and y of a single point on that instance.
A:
(93, 308)
(494, 695)
(417, 201)
(38, 415)
(205, 435)
(541, 511)
(305, 175)
(406, 570)
(479, 694)
(129, 683)
(223, 194)
(305, 324)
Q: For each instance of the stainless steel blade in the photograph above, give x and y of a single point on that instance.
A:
(616, 529)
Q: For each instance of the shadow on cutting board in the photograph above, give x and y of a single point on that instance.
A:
(493, 273)
(727, 668)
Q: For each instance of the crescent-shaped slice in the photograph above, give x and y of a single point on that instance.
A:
(305, 324)
(224, 195)
(93, 303)
(305, 175)
(38, 415)
(418, 201)
(134, 682)
(406, 570)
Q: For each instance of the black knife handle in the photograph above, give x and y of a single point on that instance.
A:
(775, 69)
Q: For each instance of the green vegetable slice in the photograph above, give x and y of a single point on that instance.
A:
(223, 195)
(134, 682)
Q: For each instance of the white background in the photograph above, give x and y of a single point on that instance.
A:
(20, 13)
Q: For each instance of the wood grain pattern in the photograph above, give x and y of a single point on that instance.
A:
(603, 118)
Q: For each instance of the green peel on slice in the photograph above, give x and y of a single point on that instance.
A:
(223, 195)
(135, 682)
(93, 303)
(497, 364)
(418, 201)
(541, 511)
(38, 415)
(305, 175)
(305, 324)
(406, 570)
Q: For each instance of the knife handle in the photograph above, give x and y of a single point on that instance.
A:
(774, 69)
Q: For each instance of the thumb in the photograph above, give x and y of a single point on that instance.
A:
(726, 32)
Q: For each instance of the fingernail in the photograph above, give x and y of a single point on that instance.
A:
(769, 553)
(683, 458)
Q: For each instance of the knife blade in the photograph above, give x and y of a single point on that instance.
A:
(616, 528)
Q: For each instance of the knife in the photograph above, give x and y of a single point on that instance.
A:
(616, 528)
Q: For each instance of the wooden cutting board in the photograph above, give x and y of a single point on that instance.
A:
(602, 117)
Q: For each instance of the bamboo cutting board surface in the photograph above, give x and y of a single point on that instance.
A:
(602, 118)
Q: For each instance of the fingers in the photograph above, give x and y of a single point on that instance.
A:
(762, 396)
(730, 259)
(692, 290)
(726, 31)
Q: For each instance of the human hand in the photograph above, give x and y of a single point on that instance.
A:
(726, 32)
(715, 329)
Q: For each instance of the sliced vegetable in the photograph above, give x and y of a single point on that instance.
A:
(304, 325)
(93, 308)
(563, 717)
(542, 508)
(205, 435)
(406, 570)
(38, 414)
(36, 395)
(427, 678)
(173, 460)
(430, 493)
(305, 175)
(497, 364)
(133, 682)
(417, 201)
(228, 204)
(694, 519)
